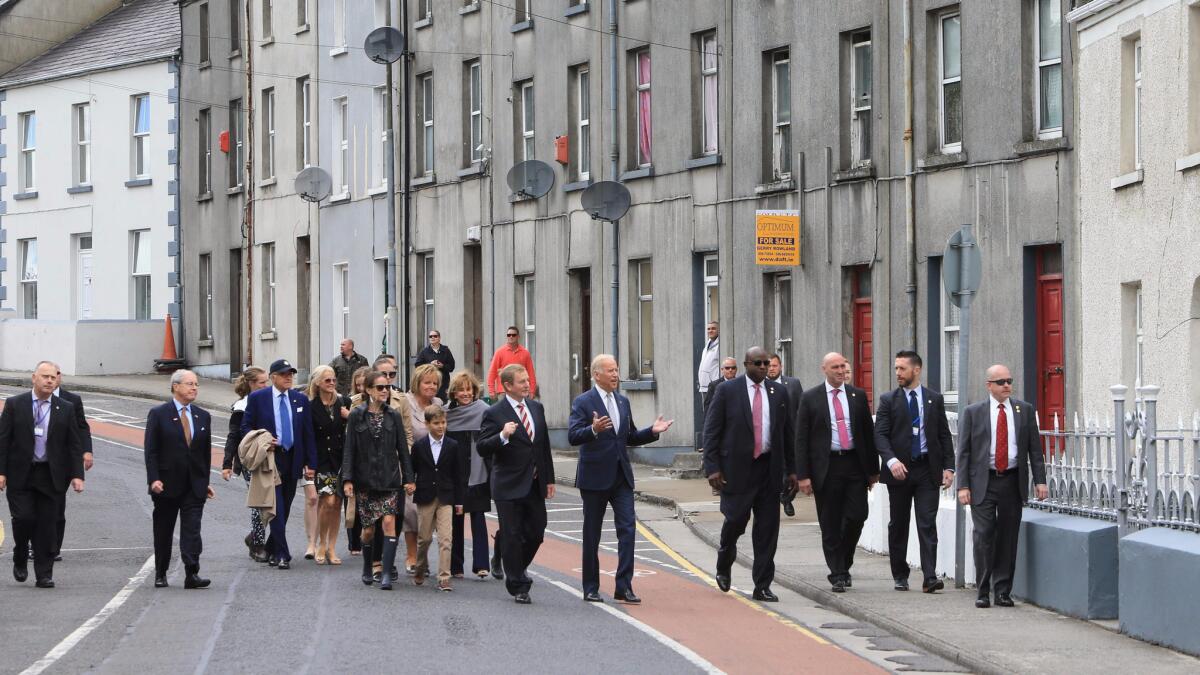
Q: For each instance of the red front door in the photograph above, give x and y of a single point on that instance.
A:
(860, 360)
(1050, 358)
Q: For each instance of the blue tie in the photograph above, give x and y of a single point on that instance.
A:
(915, 413)
(285, 423)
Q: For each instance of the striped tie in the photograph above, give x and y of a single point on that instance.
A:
(525, 421)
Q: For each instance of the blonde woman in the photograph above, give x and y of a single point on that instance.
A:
(329, 412)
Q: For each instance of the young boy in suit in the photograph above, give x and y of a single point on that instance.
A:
(441, 484)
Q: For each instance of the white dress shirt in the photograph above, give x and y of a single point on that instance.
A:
(435, 447)
(924, 446)
(613, 412)
(528, 414)
(994, 405)
(766, 411)
(836, 443)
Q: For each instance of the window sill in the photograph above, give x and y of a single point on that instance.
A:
(338, 51)
(344, 197)
(703, 161)
(423, 23)
(79, 189)
(939, 160)
(473, 171)
(204, 343)
(857, 173)
(642, 172)
(778, 186)
(204, 65)
(377, 191)
(1190, 162)
(303, 29)
(204, 197)
(235, 54)
(1124, 181)
(525, 25)
(25, 195)
(576, 10)
(577, 185)
(267, 182)
(421, 181)
(138, 182)
(469, 9)
(268, 40)
(1041, 146)
(235, 190)
(269, 335)
(638, 385)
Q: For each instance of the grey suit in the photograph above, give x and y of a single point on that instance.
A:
(996, 499)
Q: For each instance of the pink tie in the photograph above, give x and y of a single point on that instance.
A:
(756, 414)
(840, 416)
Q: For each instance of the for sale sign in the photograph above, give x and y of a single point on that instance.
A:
(777, 238)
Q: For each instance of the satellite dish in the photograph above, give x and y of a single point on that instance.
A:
(606, 200)
(313, 183)
(384, 45)
(531, 178)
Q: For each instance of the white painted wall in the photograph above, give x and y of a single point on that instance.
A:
(81, 347)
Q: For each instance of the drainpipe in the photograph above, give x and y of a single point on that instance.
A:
(180, 286)
(248, 180)
(406, 185)
(910, 225)
(614, 156)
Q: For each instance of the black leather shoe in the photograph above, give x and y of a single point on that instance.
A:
(195, 581)
(522, 599)
(21, 571)
(839, 586)
(901, 585)
(272, 561)
(160, 581)
(983, 603)
(931, 586)
(285, 564)
(765, 595)
(497, 568)
(723, 582)
(789, 509)
(45, 583)
(1004, 600)
(628, 597)
(593, 597)
(57, 557)
(848, 582)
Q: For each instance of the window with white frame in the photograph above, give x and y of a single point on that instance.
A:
(424, 10)
(268, 288)
(81, 127)
(140, 277)
(268, 131)
(1139, 353)
(304, 121)
(860, 98)
(583, 123)
(712, 289)
(235, 27)
(268, 22)
(708, 93)
(204, 155)
(426, 154)
(781, 115)
(427, 289)
(27, 178)
(950, 104)
(950, 320)
(29, 278)
(474, 101)
(302, 14)
(781, 296)
(527, 300)
(521, 11)
(206, 297)
(641, 105)
(203, 16)
(341, 294)
(140, 154)
(378, 134)
(1049, 87)
(341, 147)
(526, 120)
(236, 157)
(643, 319)
(1137, 104)
(339, 27)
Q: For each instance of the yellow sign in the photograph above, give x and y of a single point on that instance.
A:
(777, 237)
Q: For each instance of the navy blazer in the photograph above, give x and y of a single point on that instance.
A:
(445, 479)
(260, 414)
(602, 456)
(729, 435)
(169, 458)
(893, 433)
(514, 463)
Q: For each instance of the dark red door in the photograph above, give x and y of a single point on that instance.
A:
(860, 360)
(1050, 358)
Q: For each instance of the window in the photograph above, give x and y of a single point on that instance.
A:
(781, 315)
(781, 115)
(424, 10)
(141, 136)
(141, 275)
(712, 294)
(237, 162)
(206, 297)
(523, 115)
(204, 57)
(426, 153)
(527, 302)
(708, 92)
(427, 288)
(950, 318)
(1049, 69)
(28, 169)
(474, 100)
(641, 64)
(642, 323)
(268, 23)
(339, 28)
(268, 133)
(379, 131)
(29, 279)
(204, 171)
(235, 27)
(1133, 335)
(860, 98)
(341, 292)
(341, 147)
(304, 155)
(1139, 353)
(950, 110)
(1137, 107)
(1193, 107)
(302, 14)
(81, 127)
(521, 11)
(268, 288)
(582, 128)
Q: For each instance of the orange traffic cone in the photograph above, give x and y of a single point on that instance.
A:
(170, 360)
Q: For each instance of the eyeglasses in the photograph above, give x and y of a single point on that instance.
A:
(390, 376)
(329, 380)
(382, 387)
(760, 364)
(1004, 381)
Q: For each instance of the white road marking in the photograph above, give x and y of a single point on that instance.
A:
(666, 641)
(60, 650)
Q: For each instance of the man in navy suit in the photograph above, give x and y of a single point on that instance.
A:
(178, 452)
(747, 452)
(602, 425)
(285, 413)
(514, 434)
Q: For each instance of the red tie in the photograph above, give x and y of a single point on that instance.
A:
(1001, 440)
(525, 421)
(756, 414)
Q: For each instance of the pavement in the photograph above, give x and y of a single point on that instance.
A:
(214, 395)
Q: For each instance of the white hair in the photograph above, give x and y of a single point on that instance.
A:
(177, 376)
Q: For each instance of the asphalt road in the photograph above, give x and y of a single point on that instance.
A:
(105, 616)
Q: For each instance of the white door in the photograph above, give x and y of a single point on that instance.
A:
(85, 284)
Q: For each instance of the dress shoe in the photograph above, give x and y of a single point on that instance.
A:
(765, 595)
(983, 603)
(593, 597)
(497, 567)
(194, 580)
(789, 509)
(1004, 600)
(57, 557)
(272, 561)
(45, 583)
(522, 599)
(723, 582)
(849, 583)
(20, 571)
(285, 564)
(839, 586)
(628, 597)
(160, 581)
(933, 585)
(901, 585)
(444, 586)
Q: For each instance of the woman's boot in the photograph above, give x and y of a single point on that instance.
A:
(389, 559)
(367, 576)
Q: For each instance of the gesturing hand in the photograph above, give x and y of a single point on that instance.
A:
(600, 424)
(510, 428)
(660, 425)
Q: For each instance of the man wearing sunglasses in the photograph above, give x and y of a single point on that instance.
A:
(510, 353)
(998, 445)
(439, 355)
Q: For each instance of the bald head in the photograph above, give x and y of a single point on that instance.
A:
(836, 369)
(756, 363)
(999, 382)
(728, 368)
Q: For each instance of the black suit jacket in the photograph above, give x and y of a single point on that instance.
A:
(181, 467)
(513, 463)
(81, 423)
(893, 432)
(729, 435)
(445, 479)
(64, 451)
(814, 435)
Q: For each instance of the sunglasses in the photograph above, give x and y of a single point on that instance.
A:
(1001, 382)
(728, 367)
(512, 335)
(761, 364)
(329, 380)
(434, 336)
(382, 387)
(390, 376)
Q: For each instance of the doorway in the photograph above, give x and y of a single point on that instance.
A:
(580, 281)
(87, 278)
(861, 359)
(304, 320)
(1051, 382)
(236, 355)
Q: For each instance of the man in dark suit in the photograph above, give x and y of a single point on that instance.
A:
(602, 426)
(178, 451)
(40, 455)
(998, 446)
(85, 437)
(285, 413)
(746, 455)
(795, 390)
(914, 442)
(728, 372)
(514, 434)
(836, 461)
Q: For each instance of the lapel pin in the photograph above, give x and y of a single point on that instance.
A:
(1017, 408)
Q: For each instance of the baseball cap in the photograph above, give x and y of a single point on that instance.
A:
(282, 365)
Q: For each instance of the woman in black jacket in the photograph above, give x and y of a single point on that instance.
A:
(376, 466)
(250, 379)
(463, 420)
(329, 412)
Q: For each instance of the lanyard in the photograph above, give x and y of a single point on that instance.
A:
(39, 419)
